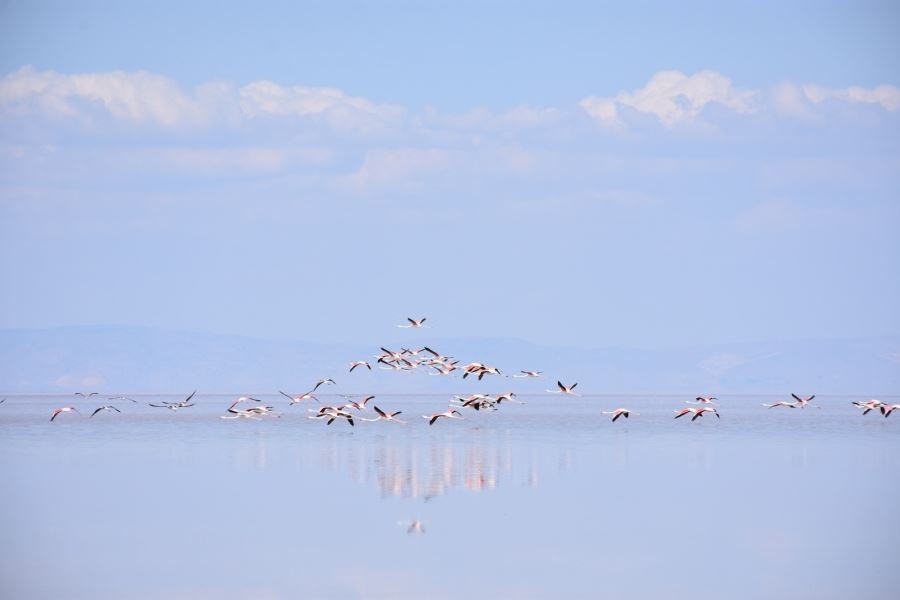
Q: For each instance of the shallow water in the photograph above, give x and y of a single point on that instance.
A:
(542, 500)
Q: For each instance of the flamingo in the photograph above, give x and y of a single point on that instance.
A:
(476, 401)
(442, 369)
(414, 324)
(331, 413)
(480, 369)
(386, 416)
(868, 405)
(261, 411)
(887, 409)
(507, 397)
(122, 398)
(449, 413)
(83, 395)
(64, 409)
(239, 414)
(703, 400)
(696, 411)
(782, 403)
(360, 363)
(619, 412)
(326, 381)
(106, 407)
(253, 410)
(298, 399)
(802, 402)
(416, 527)
(564, 389)
(360, 405)
(246, 399)
(488, 371)
(174, 406)
(529, 374)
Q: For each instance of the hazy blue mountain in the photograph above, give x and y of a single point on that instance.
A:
(136, 359)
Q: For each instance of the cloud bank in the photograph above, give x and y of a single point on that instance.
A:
(670, 97)
(146, 98)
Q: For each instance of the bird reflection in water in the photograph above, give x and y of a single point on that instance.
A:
(427, 470)
(413, 526)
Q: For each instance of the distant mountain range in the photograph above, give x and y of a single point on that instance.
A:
(139, 359)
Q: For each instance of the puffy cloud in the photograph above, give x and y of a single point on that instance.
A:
(673, 98)
(140, 97)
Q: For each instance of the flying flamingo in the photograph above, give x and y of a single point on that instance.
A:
(563, 389)
(802, 402)
(331, 413)
(529, 374)
(887, 409)
(782, 403)
(507, 397)
(59, 411)
(174, 406)
(697, 412)
(326, 381)
(360, 405)
(868, 405)
(297, 399)
(385, 416)
(449, 413)
(619, 412)
(414, 324)
(107, 407)
(703, 400)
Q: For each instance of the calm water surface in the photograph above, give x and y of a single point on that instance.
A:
(543, 500)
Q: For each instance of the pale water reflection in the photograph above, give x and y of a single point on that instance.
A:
(544, 500)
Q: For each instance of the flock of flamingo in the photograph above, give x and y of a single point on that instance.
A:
(436, 364)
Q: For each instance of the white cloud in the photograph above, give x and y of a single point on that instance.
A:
(268, 99)
(140, 97)
(601, 109)
(887, 96)
(673, 98)
(145, 98)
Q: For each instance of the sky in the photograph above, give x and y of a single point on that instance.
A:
(588, 174)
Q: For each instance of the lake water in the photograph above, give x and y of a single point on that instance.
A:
(547, 499)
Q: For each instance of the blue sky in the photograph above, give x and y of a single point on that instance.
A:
(641, 175)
